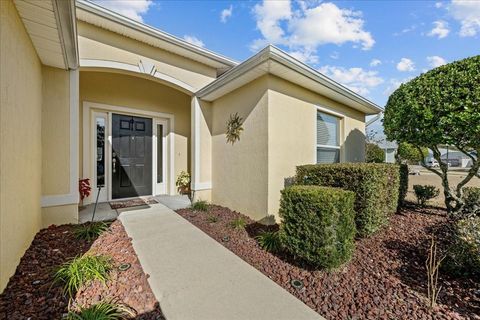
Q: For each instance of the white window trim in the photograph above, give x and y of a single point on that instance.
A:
(341, 132)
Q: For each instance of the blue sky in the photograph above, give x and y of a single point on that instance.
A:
(369, 46)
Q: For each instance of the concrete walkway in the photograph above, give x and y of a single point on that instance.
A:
(194, 277)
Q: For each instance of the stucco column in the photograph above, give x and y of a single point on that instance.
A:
(195, 143)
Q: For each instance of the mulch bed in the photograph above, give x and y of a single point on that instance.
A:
(30, 293)
(385, 279)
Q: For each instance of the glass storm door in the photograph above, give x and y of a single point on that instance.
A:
(131, 156)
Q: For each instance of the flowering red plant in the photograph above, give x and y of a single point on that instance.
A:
(84, 188)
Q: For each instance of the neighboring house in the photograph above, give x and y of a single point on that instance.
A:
(456, 158)
(375, 132)
(88, 93)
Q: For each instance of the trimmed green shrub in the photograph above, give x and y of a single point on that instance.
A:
(318, 224)
(463, 258)
(269, 241)
(105, 310)
(200, 205)
(471, 198)
(425, 193)
(403, 186)
(376, 187)
(81, 270)
(373, 153)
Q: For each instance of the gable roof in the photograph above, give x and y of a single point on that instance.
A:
(101, 17)
(272, 60)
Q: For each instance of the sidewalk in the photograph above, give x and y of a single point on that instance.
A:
(194, 277)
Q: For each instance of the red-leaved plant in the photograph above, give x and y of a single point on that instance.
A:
(84, 188)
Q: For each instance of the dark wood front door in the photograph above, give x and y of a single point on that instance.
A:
(131, 156)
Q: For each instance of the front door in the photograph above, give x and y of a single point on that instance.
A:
(131, 156)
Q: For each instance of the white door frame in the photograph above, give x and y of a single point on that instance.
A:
(159, 187)
(90, 111)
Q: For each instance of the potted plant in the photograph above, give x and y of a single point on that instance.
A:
(183, 184)
(84, 188)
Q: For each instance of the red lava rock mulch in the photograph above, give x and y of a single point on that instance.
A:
(130, 286)
(30, 293)
(385, 279)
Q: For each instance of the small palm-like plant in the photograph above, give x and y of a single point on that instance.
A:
(238, 223)
(234, 128)
(90, 231)
(105, 310)
(269, 241)
(200, 205)
(212, 219)
(81, 270)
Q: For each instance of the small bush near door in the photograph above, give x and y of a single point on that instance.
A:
(376, 187)
(318, 224)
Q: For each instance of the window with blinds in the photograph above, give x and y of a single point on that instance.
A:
(328, 138)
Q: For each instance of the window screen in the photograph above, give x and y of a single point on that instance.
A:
(328, 138)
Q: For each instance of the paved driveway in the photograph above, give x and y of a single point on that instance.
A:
(194, 277)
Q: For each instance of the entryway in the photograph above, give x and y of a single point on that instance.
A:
(131, 156)
(127, 152)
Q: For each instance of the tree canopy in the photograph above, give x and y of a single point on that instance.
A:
(440, 107)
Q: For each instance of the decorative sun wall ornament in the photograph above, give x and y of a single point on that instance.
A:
(234, 128)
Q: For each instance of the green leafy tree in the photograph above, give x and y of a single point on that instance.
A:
(373, 153)
(409, 153)
(440, 107)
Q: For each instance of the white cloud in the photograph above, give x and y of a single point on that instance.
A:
(268, 16)
(131, 9)
(436, 61)
(194, 40)
(306, 56)
(226, 13)
(356, 79)
(438, 5)
(405, 64)
(375, 62)
(335, 55)
(468, 14)
(309, 26)
(440, 29)
(394, 84)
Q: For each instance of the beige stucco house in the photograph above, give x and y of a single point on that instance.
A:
(88, 93)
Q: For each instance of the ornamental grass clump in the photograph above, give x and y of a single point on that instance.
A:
(238, 223)
(200, 205)
(376, 187)
(318, 224)
(105, 310)
(269, 241)
(81, 270)
(90, 231)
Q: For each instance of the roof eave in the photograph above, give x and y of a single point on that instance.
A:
(273, 53)
(67, 27)
(148, 30)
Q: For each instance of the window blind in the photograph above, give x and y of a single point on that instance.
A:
(327, 130)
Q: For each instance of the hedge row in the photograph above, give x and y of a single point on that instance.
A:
(318, 224)
(376, 188)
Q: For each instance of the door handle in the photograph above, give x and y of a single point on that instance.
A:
(114, 165)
